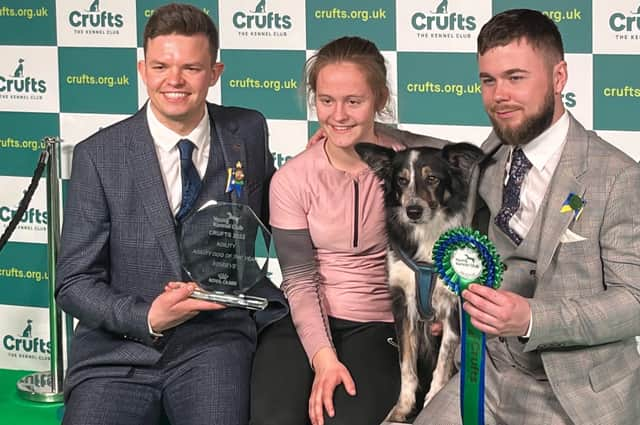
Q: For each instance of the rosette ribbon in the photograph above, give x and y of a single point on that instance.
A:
(463, 256)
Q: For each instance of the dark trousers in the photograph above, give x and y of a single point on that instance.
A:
(210, 387)
(282, 376)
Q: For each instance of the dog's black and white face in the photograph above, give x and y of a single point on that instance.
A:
(422, 183)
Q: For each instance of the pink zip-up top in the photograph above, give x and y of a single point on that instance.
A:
(344, 215)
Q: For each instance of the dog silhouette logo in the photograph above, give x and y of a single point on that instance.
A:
(261, 7)
(19, 72)
(442, 7)
(26, 333)
(470, 259)
(232, 219)
(95, 6)
(466, 263)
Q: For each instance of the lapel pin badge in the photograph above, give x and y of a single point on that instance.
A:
(235, 179)
(575, 204)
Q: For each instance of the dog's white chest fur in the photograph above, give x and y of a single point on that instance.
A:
(443, 303)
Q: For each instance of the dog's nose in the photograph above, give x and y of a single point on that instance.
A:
(414, 212)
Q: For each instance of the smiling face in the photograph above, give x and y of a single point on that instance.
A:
(345, 104)
(178, 71)
(521, 90)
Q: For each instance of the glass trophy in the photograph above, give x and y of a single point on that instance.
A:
(225, 249)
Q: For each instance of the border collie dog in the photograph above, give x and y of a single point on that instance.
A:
(426, 192)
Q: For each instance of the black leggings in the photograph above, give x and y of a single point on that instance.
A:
(282, 377)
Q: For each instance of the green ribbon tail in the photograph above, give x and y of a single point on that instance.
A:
(452, 263)
(472, 372)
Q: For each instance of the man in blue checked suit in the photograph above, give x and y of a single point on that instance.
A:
(142, 345)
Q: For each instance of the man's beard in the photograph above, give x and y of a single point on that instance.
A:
(531, 128)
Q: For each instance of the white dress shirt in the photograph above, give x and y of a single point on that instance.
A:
(166, 144)
(544, 154)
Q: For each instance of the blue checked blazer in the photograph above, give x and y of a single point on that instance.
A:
(119, 247)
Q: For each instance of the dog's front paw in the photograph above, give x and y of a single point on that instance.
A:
(431, 394)
(397, 414)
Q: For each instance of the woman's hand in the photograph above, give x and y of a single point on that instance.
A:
(390, 142)
(329, 374)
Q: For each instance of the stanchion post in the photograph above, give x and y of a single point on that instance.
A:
(46, 387)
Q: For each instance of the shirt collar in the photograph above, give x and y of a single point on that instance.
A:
(540, 150)
(166, 139)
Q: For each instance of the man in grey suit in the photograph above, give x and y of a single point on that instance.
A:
(142, 345)
(561, 207)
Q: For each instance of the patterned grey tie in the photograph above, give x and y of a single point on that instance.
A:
(520, 165)
(190, 178)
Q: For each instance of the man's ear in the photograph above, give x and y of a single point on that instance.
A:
(560, 76)
(377, 157)
(142, 71)
(217, 70)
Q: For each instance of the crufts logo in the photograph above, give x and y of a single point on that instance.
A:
(261, 18)
(619, 21)
(439, 18)
(260, 7)
(25, 344)
(26, 333)
(279, 159)
(19, 72)
(32, 216)
(95, 17)
(442, 7)
(16, 82)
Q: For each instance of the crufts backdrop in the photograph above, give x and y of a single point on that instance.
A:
(68, 69)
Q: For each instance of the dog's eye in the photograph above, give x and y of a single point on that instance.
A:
(433, 180)
(402, 181)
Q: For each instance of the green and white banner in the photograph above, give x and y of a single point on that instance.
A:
(69, 68)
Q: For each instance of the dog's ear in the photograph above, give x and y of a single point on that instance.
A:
(377, 157)
(462, 155)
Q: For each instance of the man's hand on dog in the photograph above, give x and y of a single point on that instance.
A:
(329, 374)
(497, 312)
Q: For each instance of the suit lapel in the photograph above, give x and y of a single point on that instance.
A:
(566, 180)
(233, 150)
(144, 167)
(490, 191)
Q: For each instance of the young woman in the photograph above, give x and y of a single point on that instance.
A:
(331, 361)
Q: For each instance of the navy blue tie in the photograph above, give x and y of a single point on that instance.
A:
(520, 165)
(190, 178)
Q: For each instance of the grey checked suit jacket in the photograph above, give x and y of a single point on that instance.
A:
(586, 304)
(119, 245)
